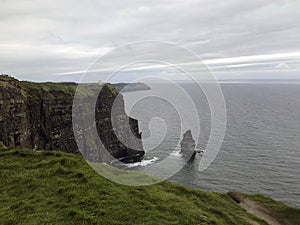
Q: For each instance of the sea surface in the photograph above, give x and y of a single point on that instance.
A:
(261, 148)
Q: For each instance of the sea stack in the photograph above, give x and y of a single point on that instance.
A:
(188, 144)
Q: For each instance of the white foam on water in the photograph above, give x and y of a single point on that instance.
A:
(143, 162)
(175, 153)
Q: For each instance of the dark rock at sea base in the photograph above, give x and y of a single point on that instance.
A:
(188, 145)
(128, 159)
(133, 158)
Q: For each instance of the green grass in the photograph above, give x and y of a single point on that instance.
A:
(4, 77)
(285, 213)
(48, 87)
(112, 89)
(53, 90)
(59, 188)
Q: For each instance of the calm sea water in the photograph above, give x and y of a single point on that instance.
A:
(261, 148)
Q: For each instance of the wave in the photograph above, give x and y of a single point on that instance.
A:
(145, 162)
(176, 153)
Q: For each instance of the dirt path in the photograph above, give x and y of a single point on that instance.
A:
(256, 210)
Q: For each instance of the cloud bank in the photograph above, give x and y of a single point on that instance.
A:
(57, 40)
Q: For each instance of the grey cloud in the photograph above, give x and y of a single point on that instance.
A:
(52, 37)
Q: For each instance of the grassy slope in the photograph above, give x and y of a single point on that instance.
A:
(60, 188)
(286, 214)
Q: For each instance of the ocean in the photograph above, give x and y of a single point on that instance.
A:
(261, 148)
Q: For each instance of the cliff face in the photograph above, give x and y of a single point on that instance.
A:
(39, 116)
(128, 87)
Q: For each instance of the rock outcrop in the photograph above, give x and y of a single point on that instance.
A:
(188, 144)
(39, 116)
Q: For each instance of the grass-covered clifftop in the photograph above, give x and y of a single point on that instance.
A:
(43, 187)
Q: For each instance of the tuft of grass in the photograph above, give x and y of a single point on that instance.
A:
(50, 187)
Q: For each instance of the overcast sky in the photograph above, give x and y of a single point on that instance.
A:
(57, 40)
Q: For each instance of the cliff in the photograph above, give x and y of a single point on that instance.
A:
(129, 87)
(39, 116)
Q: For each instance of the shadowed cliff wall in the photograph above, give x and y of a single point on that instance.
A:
(39, 116)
